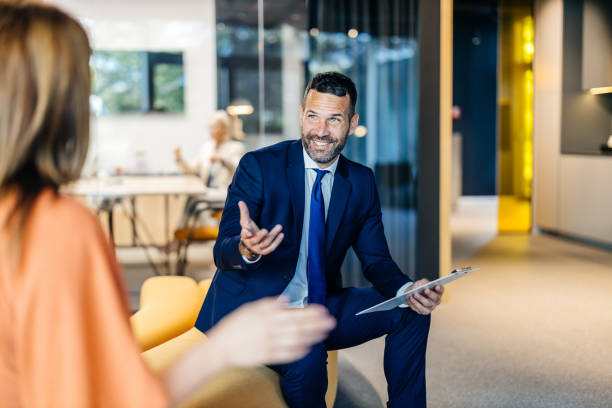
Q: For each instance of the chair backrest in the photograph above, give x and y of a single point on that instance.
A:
(169, 306)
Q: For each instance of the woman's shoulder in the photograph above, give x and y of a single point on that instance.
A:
(62, 215)
(64, 236)
(233, 145)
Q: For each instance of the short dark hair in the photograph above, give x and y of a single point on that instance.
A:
(333, 83)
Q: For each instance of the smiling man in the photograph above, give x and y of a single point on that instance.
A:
(292, 211)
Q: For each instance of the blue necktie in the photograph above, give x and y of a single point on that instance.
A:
(315, 266)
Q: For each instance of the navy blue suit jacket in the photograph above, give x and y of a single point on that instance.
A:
(271, 182)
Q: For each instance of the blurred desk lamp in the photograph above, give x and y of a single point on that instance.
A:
(238, 107)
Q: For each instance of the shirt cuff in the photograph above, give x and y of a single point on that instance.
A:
(401, 290)
(253, 261)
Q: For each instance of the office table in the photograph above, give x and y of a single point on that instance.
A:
(107, 192)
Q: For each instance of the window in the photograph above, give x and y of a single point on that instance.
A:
(137, 82)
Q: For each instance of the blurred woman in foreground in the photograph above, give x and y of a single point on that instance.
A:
(65, 339)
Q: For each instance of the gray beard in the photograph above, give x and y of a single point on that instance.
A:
(329, 157)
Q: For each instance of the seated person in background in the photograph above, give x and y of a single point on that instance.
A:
(215, 164)
(218, 157)
(65, 338)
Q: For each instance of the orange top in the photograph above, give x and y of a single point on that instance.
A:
(65, 338)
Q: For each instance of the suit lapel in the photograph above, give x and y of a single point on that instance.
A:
(295, 181)
(341, 191)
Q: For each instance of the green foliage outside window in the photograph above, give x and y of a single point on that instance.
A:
(136, 82)
(169, 88)
(117, 80)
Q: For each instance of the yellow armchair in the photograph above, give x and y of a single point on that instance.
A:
(169, 306)
(164, 327)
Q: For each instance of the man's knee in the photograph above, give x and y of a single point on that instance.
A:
(304, 382)
(312, 366)
(415, 323)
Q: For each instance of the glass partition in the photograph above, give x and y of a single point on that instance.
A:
(376, 45)
(266, 53)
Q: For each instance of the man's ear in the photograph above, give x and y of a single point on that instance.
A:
(354, 123)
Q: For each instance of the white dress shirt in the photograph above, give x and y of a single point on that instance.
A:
(297, 289)
(219, 174)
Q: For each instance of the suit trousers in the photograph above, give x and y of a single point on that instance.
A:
(304, 382)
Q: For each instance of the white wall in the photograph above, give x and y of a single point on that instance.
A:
(585, 197)
(179, 25)
(572, 193)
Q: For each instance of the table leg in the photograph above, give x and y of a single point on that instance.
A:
(110, 226)
(167, 232)
(133, 220)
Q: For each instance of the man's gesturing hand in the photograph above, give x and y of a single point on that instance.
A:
(425, 302)
(258, 241)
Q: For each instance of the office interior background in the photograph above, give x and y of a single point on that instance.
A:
(488, 124)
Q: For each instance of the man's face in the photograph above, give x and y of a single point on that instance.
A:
(325, 125)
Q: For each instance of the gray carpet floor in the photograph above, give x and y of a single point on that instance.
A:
(532, 328)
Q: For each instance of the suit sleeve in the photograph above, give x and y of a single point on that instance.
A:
(246, 186)
(372, 250)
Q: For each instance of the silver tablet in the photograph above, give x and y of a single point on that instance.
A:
(401, 299)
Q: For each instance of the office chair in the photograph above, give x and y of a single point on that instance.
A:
(189, 230)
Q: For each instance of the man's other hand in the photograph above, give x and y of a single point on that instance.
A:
(258, 241)
(425, 302)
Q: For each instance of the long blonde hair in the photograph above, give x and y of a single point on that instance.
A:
(44, 101)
